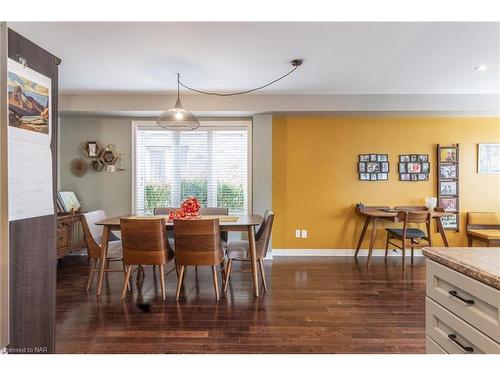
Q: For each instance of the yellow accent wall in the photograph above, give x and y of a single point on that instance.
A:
(315, 180)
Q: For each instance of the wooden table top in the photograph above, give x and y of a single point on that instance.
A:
(393, 213)
(242, 220)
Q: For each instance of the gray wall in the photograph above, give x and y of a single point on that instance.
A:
(96, 190)
(112, 191)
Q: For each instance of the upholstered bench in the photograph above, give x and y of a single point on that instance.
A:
(484, 227)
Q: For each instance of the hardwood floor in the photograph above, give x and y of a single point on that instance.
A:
(314, 305)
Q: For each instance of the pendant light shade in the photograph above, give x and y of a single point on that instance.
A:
(178, 118)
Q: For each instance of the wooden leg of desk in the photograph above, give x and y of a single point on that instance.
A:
(362, 236)
(104, 246)
(442, 231)
(372, 240)
(253, 259)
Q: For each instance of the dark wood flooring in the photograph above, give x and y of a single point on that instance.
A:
(314, 305)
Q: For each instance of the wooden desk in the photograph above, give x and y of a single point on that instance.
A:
(374, 214)
(245, 223)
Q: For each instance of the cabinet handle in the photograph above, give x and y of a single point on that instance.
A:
(454, 293)
(453, 338)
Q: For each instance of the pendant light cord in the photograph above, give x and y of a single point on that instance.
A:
(295, 63)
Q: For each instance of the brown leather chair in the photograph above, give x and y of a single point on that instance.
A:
(144, 242)
(240, 250)
(93, 237)
(197, 243)
(415, 235)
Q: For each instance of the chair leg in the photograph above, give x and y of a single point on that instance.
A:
(262, 273)
(162, 281)
(125, 274)
(126, 283)
(216, 283)
(470, 241)
(228, 273)
(93, 264)
(386, 245)
(180, 280)
(404, 255)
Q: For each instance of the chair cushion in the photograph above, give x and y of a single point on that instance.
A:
(410, 232)
(238, 250)
(489, 234)
(483, 218)
(115, 249)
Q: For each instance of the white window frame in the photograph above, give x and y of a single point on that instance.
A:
(205, 124)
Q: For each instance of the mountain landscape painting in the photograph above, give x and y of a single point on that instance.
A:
(28, 104)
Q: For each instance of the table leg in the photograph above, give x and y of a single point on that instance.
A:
(362, 236)
(372, 240)
(104, 252)
(253, 259)
(442, 231)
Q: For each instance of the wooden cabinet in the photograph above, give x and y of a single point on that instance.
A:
(462, 314)
(69, 234)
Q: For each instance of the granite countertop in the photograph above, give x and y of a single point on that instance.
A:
(480, 263)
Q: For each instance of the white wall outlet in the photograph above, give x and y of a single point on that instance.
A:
(297, 233)
(304, 233)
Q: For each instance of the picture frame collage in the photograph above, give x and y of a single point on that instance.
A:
(448, 184)
(373, 167)
(414, 167)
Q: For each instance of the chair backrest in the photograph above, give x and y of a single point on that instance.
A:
(263, 235)
(413, 217)
(412, 208)
(224, 211)
(144, 241)
(197, 242)
(164, 210)
(92, 232)
(483, 220)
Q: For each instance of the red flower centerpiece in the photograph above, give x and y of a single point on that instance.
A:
(189, 210)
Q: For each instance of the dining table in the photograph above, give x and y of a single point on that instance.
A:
(227, 223)
(375, 214)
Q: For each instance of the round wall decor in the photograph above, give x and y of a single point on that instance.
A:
(97, 165)
(79, 167)
(92, 149)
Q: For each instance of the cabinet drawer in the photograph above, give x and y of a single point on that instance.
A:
(453, 334)
(450, 288)
(431, 347)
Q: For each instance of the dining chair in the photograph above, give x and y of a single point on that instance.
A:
(93, 241)
(240, 250)
(170, 233)
(197, 243)
(144, 242)
(415, 235)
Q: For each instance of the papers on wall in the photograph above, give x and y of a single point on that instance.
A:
(488, 158)
(29, 136)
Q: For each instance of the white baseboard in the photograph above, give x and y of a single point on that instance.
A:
(335, 252)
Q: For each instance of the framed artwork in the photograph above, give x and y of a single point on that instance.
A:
(448, 203)
(450, 222)
(488, 158)
(448, 155)
(447, 184)
(414, 167)
(448, 171)
(448, 188)
(373, 167)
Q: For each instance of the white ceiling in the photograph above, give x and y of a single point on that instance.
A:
(339, 58)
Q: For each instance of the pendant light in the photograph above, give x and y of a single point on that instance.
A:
(178, 118)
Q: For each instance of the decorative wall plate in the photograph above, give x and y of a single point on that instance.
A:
(92, 149)
(79, 167)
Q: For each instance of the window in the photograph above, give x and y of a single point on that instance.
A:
(210, 163)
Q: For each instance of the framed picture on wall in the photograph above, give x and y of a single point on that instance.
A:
(448, 155)
(488, 158)
(448, 203)
(373, 167)
(448, 171)
(449, 222)
(448, 188)
(414, 167)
